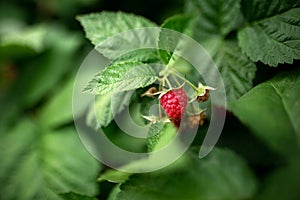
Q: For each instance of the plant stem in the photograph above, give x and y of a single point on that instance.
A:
(159, 111)
(161, 86)
(168, 82)
(186, 80)
(176, 80)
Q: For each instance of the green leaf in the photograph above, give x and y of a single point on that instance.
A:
(236, 69)
(140, 55)
(180, 23)
(259, 9)
(58, 110)
(31, 38)
(122, 77)
(39, 76)
(100, 26)
(286, 180)
(214, 21)
(114, 176)
(273, 40)
(114, 34)
(214, 17)
(74, 196)
(100, 113)
(50, 162)
(48, 68)
(271, 110)
(159, 135)
(105, 107)
(113, 194)
(168, 40)
(220, 175)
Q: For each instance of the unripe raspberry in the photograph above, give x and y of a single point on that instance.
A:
(174, 103)
(195, 120)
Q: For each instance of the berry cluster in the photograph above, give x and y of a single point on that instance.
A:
(175, 101)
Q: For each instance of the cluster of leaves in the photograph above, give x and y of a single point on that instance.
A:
(239, 36)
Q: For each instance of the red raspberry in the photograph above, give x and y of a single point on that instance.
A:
(174, 103)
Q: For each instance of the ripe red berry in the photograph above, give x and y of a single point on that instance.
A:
(174, 103)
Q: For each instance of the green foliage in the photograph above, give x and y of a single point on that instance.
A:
(160, 134)
(167, 41)
(100, 113)
(17, 40)
(147, 55)
(74, 196)
(122, 77)
(99, 27)
(59, 108)
(214, 21)
(273, 40)
(236, 69)
(271, 110)
(37, 157)
(106, 107)
(114, 176)
(38, 77)
(285, 179)
(259, 9)
(214, 17)
(61, 51)
(213, 177)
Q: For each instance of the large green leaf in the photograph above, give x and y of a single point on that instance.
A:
(160, 134)
(236, 69)
(74, 196)
(16, 40)
(214, 21)
(168, 40)
(221, 175)
(115, 34)
(286, 180)
(273, 40)
(147, 55)
(46, 70)
(259, 9)
(122, 77)
(105, 107)
(58, 110)
(100, 113)
(40, 164)
(214, 17)
(38, 77)
(50, 68)
(271, 110)
(100, 26)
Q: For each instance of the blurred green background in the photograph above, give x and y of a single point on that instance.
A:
(42, 45)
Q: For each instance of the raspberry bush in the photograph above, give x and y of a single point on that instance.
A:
(142, 82)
